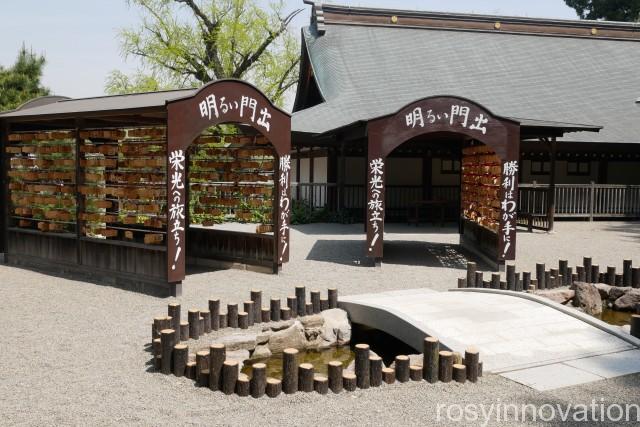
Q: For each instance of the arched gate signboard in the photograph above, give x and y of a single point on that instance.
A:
(219, 102)
(452, 115)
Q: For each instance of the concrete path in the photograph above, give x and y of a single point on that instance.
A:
(528, 342)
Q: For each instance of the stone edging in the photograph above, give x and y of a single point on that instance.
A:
(603, 326)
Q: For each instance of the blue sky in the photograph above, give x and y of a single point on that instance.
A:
(78, 37)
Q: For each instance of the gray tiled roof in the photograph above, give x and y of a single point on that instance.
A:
(101, 103)
(365, 72)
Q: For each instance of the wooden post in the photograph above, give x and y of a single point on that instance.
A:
(206, 317)
(305, 377)
(173, 311)
(551, 197)
(232, 315)
(202, 368)
(293, 306)
(266, 315)
(486, 284)
(302, 303)
(388, 375)
(334, 370)
(518, 283)
(217, 356)
(619, 279)
(315, 301)
(415, 372)
(157, 347)
(167, 340)
(290, 370)
(320, 384)
(362, 365)
(471, 274)
(285, 313)
(511, 277)
(309, 309)
(275, 309)
(214, 309)
(540, 270)
(462, 283)
(459, 373)
(479, 279)
(375, 371)
(445, 371)
(570, 275)
(548, 283)
(184, 331)
(194, 324)
(635, 325)
(595, 273)
(471, 360)
(332, 294)
(635, 277)
(495, 281)
(582, 277)
(274, 387)
(243, 320)
(526, 280)
(256, 297)
(180, 359)
(349, 381)
(611, 276)
(242, 385)
(190, 371)
(201, 325)
(258, 380)
(563, 268)
(229, 376)
(224, 321)
(534, 285)
(627, 269)
(430, 355)
(402, 368)
(324, 304)
(503, 285)
(586, 263)
(248, 308)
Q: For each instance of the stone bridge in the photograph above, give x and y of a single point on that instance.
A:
(521, 336)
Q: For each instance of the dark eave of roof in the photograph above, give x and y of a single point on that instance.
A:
(327, 14)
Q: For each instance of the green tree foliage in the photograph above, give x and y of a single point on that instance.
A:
(610, 10)
(21, 82)
(185, 43)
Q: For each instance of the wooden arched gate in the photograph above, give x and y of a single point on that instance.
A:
(219, 102)
(496, 241)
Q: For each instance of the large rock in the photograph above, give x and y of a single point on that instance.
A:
(336, 329)
(313, 321)
(604, 290)
(628, 301)
(618, 291)
(239, 342)
(560, 295)
(588, 298)
(292, 337)
(261, 352)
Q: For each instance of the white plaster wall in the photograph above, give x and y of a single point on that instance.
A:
(320, 169)
(562, 177)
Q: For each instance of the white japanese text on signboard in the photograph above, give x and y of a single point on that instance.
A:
(458, 114)
(375, 203)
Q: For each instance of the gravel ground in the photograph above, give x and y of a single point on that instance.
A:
(74, 353)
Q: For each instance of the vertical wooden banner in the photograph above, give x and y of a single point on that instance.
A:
(375, 205)
(176, 212)
(284, 207)
(508, 209)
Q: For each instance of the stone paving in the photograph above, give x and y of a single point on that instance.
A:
(528, 341)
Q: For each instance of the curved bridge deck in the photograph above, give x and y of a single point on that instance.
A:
(528, 341)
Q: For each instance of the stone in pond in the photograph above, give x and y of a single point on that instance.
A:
(628, 301)
(561, 296)
(588, 299)
(292, 337)
(618, 291)
(336, 329)
(238, 342)
(261, 352)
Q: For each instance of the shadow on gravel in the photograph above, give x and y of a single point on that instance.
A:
(631, 229)
(344, 252)
(426, 254)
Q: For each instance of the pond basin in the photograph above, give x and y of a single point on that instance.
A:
(383, 344)
(614, 317)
